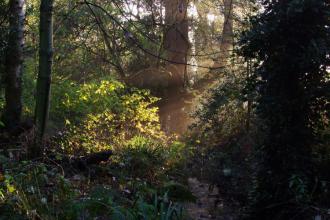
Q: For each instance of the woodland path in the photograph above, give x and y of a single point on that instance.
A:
(209, 204)
(175, 111)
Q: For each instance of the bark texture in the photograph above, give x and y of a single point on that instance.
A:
(176, 41)
(45, 70)
(14, 64)
(226, 44)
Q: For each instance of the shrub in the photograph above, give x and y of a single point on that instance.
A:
(103, 114)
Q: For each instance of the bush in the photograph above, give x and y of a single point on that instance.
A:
(141, 158)
(102, 115)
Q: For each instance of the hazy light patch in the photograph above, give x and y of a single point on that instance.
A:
(133, 11)
(192, 10)
(163, 14)
(211, 18)
(193, 14)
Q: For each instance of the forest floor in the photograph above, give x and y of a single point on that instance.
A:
(176, 115)
(209, 203)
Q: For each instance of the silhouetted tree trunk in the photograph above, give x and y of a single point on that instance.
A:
(226, 44)
(45, 69)
(13, 65)
(176, 42)
(249, 99)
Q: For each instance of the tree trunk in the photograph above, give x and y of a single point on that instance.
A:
(227, 41)
(249, 99)
(44, 76)
(176, 41)
(13, 65)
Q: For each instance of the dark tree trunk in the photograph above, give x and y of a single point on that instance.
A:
(176, 42)
(226, 44)
(13, 65)
(249, 98)
(44, 76)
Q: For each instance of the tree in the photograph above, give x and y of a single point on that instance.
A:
(45, 70)
(227, 38)
(13, 65)
(3, 36)
(111, 46)
(176, 42)
(290, 40)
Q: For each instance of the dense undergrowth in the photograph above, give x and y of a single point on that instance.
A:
(136, 183)
(141, 179)
(223, 138)
(225, 142)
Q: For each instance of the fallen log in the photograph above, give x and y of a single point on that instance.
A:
(95, 158)
(81, 163)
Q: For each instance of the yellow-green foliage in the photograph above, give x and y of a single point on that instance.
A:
(96, 115)
(103, 114)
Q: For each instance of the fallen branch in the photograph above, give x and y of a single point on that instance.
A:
(83, 163)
